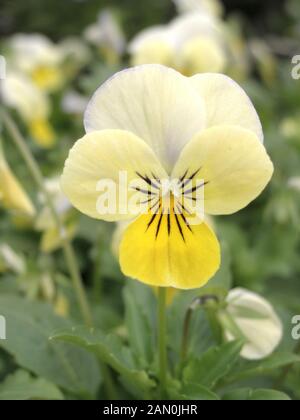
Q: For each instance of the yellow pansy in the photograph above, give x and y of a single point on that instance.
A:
(40, 59)
(190, 44)
(47, 78)
(173, 137)
(19, 92)
(12, 195)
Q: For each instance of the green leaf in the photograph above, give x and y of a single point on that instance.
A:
(22, 386)
(213, 365)
(137, 299)
(190, 391)
(29, 325)
(109, 349)
(264, 367)
(247, 394)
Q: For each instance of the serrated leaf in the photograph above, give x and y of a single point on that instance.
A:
(213, 365)
(196, 392)
(110, 350)
(29, 325)
(264, 367)
(22, 386)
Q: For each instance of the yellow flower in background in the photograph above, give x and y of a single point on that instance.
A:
(191, 44)
(12, 195)
(197, 133)
(254, 319)
(40, 59)
(32, 104)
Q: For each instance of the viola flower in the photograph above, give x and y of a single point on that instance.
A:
(12, 195)
(40, 59)
(190, 44)
(198, 134)
(255, 320)
(19, 93)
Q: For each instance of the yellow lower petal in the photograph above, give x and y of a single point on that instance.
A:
(163, 250)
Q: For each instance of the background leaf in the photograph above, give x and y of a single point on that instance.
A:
(29, 326)
(214, 364)
(110, 350)
(22, 386)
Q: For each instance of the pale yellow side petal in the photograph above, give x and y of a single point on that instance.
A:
(106, 163)
(154, 102)
(169, 253)
(226, 102)
(230, 163)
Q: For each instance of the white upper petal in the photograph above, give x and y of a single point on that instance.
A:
(154, 102)
(226, 102)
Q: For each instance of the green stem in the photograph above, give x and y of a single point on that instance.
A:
(97, 273)
(185, 334)
(199, 301)
(162, 340)
(67, 247)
